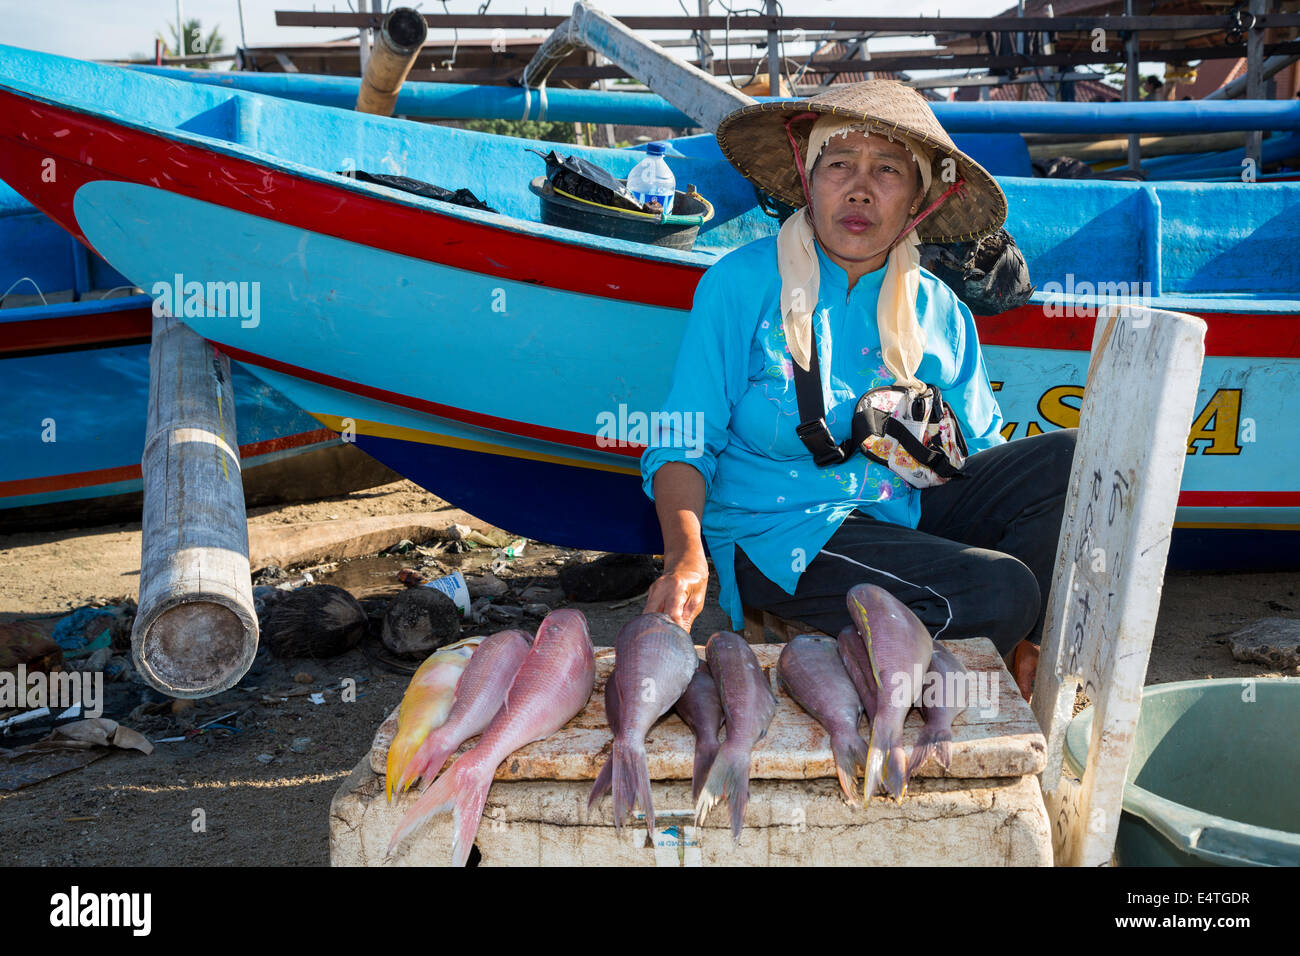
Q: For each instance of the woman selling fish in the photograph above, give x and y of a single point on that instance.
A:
(807, 351)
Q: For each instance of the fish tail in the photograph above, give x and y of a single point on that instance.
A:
(886, 764)
(426, 763)
(602, 784)
(850, 752)
(631, 782)
(442, 795)
(466, 816)
(399, 775)
(704, 756)
(930, 743)
(728, 779)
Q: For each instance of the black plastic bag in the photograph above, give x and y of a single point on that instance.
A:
(585, 180)
(461, 197)
(990, 274)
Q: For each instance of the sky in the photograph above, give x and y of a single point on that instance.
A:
(111, 29)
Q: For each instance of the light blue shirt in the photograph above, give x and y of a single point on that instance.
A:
(763, 491)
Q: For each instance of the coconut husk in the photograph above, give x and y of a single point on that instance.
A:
(319, 620)
(420, 621)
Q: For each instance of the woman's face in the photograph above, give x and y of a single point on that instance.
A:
(864, 189)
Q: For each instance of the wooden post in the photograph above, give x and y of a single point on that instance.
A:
(397, 44)
(1131, 93)
(195, 632)
(1255, 82)
(773, 55)
(704, 42)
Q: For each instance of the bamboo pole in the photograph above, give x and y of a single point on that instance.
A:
(397, 44)
(195, 633)
(1116, 148)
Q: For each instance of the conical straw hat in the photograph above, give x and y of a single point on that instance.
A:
(754, 140)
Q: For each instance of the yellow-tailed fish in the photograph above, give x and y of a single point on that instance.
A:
(899, 649)
(425, 705)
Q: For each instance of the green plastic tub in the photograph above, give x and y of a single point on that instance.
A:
(1215, 775)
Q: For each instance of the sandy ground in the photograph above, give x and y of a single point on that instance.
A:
(128, 808)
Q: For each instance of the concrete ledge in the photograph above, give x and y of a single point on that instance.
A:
(315, 542)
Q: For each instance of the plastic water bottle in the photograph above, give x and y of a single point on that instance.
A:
(652, 180)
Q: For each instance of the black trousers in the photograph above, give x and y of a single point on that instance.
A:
(979, 564)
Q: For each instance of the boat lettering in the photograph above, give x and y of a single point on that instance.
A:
(1219, 422)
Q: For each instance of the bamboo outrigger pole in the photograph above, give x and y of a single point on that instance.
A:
(699, 95)
(397, 45)
(196, 632)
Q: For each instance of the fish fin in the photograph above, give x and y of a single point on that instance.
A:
(886, 764)
(631, 783)
(437, 798)
(946, 657)
(850, 752)
(602, 784)
(943, 750)
(704, 756)
(728, 779)
(930, 743)
(466, 816)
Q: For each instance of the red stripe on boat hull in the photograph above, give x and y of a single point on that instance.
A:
(38, 131)
(108, 476)
(1228, 333)
(555, 436)
(126, 327)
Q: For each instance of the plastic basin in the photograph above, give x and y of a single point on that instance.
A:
(1215, 774)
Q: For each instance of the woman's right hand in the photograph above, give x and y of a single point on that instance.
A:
(679, 591)
(679, 500)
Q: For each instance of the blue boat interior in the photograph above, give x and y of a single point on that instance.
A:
(1168, 241)
(39, 260)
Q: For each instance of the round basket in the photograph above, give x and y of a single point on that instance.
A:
(676, 230)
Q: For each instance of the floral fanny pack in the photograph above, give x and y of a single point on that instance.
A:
(914, 435)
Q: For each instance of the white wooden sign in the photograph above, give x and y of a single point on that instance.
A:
(1101, 615)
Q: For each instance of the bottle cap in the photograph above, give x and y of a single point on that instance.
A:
(655, 149)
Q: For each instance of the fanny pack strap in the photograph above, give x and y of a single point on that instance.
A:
(812, 430)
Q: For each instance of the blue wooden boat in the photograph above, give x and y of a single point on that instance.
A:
(75, 369)
(482, 354)
(987, 131)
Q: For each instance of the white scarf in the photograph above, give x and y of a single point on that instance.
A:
(902, 340)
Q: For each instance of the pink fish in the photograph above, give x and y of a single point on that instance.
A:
(935, 739)
(701, 710)
(551, 687)
(748, 706)
(605, 779)
(654, 662)
(479, 695)
(899, 649)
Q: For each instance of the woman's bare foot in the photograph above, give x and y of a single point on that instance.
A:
(1023, 664)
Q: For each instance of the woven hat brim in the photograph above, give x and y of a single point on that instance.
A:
(754, 141)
